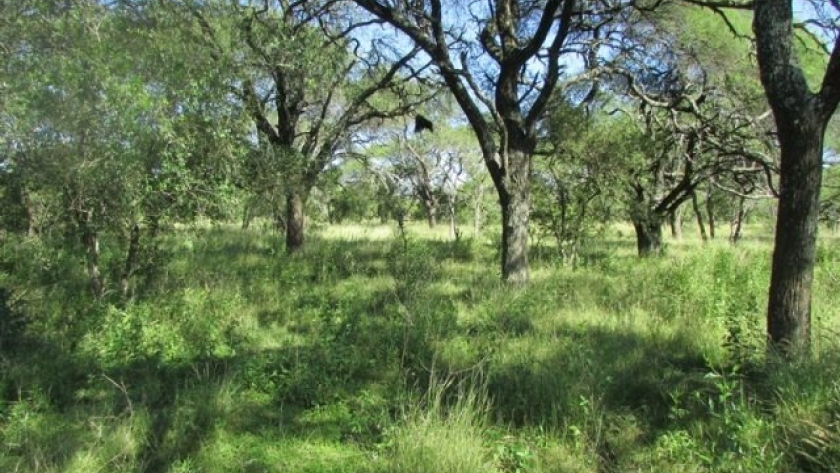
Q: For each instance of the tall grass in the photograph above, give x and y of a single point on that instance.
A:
(371, 351)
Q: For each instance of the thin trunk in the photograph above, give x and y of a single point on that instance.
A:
(675, 222)
(130, 260)
(431, 212)
(280, 219)
(153, 248)
(90, 241)
(295, 221)
(246, 216)
(477, 211)
(154, 226)
(789, 305)
(28, 211)
(699, 214)
(453, 224)
(738, 221)
(710, 213)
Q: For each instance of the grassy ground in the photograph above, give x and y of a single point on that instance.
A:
(374, 353)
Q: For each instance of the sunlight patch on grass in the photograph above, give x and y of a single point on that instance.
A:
(358, 231)
(245, 452)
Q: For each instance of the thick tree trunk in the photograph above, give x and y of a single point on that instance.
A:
(801, 117)
(699, 214)
(789, 305)
(295, 221)
(648, 236)
(515, 215)
(515, 200)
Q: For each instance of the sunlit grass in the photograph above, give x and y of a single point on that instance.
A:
(374, 351)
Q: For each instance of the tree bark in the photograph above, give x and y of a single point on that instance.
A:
(130, 260)
(738, 221)
(710, 213)
(648, 236)
(675, 221)
(794, 253)
(295, 221)
(246, 216)
(699, 214)
(90, 241)
(477, 200)
(801, 117)
(431, 212)
(515, 202)
(453, 223)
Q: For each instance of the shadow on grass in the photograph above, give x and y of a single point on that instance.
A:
(362, 349)
(320, 391)
(620, 372)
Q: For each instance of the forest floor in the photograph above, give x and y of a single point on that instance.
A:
(371, 352)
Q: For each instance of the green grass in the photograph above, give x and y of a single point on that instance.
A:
(374, 353)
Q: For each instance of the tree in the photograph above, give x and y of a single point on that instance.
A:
(520, 44)
(701, 119)
(100, 142)
(575, 184)
(306, 81)
(801, 119)
(433, 166)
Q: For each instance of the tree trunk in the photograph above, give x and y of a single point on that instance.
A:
(90, 241)
(801, 117)
(246, 216)
(738, 221)
(453, 223)
(699, 214)
(648, 236)
(675, 221)
(477, 200)
(515, 215)
(431, 212)
(710, 213)
(789, 305)
(280, 218)
(295, 221)
(28, 211)
(515, 201)
(130, 260)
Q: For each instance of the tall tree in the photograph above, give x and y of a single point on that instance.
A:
(698, 121)
(519, 45)
(801, 118)
(306, 81)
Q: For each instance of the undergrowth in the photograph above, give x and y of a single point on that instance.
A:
(375, 353)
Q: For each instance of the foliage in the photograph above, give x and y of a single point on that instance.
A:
(133, 133)
(401, 355)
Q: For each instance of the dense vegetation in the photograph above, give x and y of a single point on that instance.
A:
(419, 236)
(374, 353)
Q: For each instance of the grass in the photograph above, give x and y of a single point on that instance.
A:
(370, 352)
